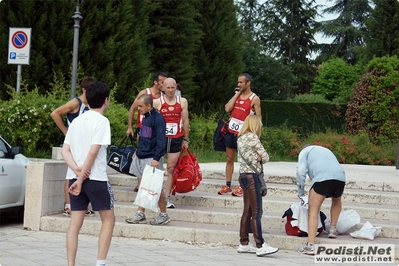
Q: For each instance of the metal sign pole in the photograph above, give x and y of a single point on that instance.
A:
(19, 50)
(19, 71)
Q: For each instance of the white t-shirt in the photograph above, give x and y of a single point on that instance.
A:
(90, 128)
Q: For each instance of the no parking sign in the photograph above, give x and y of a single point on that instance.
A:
(19, 46)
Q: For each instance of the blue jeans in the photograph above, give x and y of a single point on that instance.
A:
(253, 211)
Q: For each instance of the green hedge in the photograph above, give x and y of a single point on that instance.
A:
(304, 117)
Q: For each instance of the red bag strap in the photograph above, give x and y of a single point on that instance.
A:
(188, 154)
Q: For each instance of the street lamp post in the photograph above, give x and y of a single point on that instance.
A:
(76, 17)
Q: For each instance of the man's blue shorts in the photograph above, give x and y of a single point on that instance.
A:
(231, 140)
(99, 193)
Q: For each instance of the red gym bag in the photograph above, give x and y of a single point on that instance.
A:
(187, 174)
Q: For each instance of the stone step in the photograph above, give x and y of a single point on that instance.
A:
(285, 191)
(375, 178)
(199, 233)
(374, 185)
(275, 205)
(276, 201)
(365, 177)
(225, 216)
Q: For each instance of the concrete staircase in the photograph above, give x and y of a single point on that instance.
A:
(202, 216)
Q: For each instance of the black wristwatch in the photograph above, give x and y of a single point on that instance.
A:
(187, 139)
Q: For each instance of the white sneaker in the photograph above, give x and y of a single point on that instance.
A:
(333, 232)
(307, 249)
(265, 250)
(246, 249)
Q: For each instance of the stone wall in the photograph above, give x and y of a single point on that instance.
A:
(44, 192)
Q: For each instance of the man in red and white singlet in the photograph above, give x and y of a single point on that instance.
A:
(175, 111)
(243, 103)
(155, 92)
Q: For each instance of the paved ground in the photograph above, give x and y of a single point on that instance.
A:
(19, 247)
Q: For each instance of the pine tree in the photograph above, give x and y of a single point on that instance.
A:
(289, 28)
(51, 40)
(112, 42)
(384, 28)
(173, 38)
(348, 30)
(271, 78)
(219, 58)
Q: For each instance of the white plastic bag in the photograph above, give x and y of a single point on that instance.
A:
(150, 188)
(346, 220)
(367, 232)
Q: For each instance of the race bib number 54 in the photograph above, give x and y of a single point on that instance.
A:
(171, 129)
(235, 124)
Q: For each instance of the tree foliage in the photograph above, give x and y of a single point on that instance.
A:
(219, 58)
(348, 30)
(288, 31)
(272, 79)
(174, 37)
(335, 78)
(383, 27)
(112, 42)
(123, 42)
(51, 41)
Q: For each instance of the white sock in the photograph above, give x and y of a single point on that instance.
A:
(101, 263)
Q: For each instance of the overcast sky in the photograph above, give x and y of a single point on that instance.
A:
(319, 38)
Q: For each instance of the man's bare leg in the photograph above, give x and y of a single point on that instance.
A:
(75, 224)
(230, 156)
(170, 168)
(315, 201)
(105, 236)
(336, 207)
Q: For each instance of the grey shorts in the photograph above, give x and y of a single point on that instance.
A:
(137, 166)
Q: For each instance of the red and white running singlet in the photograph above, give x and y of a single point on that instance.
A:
(242, 108)
(140, 117)
(173, 118)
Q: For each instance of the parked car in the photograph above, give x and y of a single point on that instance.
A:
(12, 178)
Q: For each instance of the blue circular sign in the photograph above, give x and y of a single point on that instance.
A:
(19, 39)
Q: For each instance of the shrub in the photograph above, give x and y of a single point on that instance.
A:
(279, 142)
(336, 79)
(373, 107)
(117, 115)
(26, 119)
(354, 149)
(310, 98)
(201, 131)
